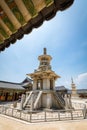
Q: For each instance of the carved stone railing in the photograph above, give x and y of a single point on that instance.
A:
(45, 115)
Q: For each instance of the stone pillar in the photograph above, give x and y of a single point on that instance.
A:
(35, 85)
(70, 103)
(32, 104)
(22, 101)
(53, 84)
(49, 101)
(46, 84)
(66, 101)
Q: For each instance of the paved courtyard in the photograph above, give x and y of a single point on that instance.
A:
(8, 123)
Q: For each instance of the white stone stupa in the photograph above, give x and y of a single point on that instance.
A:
(74, 90)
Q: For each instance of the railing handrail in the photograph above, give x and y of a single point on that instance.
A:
(69, 114)
(61, 100)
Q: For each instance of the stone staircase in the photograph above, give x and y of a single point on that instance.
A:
(37, 99)
(32, 99)
(27, 99)
(60, 100)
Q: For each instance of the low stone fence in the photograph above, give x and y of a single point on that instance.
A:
(45, 115)
(76, 105)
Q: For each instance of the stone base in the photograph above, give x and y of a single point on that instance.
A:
(45, 99)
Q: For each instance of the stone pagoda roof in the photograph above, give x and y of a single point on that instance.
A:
(19, 17)
(43, 74)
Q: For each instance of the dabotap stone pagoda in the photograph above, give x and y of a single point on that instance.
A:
(43, 94)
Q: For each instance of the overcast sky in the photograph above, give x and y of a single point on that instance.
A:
(65, 37)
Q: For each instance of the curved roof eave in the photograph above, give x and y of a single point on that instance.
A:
(15, 23)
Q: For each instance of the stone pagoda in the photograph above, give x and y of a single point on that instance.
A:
(43, 94)
(74, 90)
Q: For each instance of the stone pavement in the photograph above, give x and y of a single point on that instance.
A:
(8, 123)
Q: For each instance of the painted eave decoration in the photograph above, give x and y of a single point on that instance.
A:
(19, 17)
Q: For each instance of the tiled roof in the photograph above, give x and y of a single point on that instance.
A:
(9, 85)
(27, 80)
(60, 88)
(19, 17)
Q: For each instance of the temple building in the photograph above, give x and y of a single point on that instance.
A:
(43, 94)
(12, 91)
(19, 17)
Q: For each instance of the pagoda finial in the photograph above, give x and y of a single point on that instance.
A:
(45, 51)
